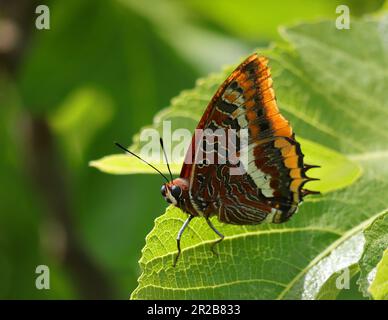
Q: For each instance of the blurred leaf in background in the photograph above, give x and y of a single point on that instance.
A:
(79, 118)
(98, 75)
(253, 20)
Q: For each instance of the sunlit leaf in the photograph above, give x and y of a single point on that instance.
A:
(379, 286)
(124, 164)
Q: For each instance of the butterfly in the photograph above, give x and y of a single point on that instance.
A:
(270, 188)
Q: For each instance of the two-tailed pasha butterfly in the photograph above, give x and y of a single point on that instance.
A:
(271, 188)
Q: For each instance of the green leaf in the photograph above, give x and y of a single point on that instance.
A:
(376, 241)
(124, 164)
(334, 94)
(379, 286)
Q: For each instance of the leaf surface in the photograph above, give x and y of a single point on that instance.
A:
(379, 286)
(376, 242)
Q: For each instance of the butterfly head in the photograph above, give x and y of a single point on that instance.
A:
(174, 191)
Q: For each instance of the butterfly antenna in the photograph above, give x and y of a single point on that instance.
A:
(135, 155)
(165, 155)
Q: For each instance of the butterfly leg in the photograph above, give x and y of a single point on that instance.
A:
(218, 233)
(178, 238)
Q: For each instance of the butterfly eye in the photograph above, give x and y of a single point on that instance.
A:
(163, 191)
(176, 191)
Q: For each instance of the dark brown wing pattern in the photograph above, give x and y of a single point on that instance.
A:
(272, 186)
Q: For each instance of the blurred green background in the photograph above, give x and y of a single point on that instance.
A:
(99, 74)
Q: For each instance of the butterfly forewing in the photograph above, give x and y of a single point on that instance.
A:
(270, 186)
